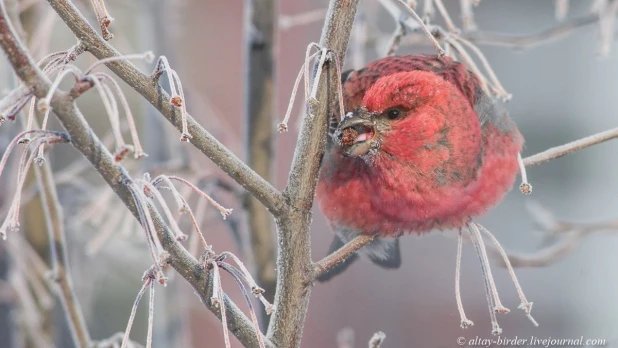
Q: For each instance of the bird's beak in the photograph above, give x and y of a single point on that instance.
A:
(356, 133)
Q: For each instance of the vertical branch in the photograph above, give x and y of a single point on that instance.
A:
(294, 269)
(60, 264)
(10, 328)
(259, 113)
(35, 229)
(61, 274)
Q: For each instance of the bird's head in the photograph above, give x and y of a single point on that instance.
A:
(406, 114)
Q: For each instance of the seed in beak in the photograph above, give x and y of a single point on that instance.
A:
(349, 136)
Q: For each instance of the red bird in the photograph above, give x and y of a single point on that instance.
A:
(421, 147)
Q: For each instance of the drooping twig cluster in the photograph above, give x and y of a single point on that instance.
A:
(493, 300)
(58, 63)
(311, 87)
(178, 96)
(40, 138)
(245, 282)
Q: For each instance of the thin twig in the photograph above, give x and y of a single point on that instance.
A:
(433, 40)
(563, 150)
(138, 298)
(61, 273)
(464, 321)
(340, 255)
(532, 40)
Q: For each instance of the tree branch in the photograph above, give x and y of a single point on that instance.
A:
(61, 273)
(149, 89)
(294, 257)
(340, 255)
(526, 41)
(496, 39)
(259, 116)
(85, 141)
(560, 238)
(563, 150)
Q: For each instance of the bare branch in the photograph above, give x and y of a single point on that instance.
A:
(260, 115)
(569, 236)
(127, 332)
(528, 41)
(422, 25)
(563, 150)
(61, 273)
(499, 39)
(395, 40)
(467, 15)
(146, 86)
(340, 255)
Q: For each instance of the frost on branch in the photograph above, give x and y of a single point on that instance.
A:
(147, 196)
(493, 300)
(103, 17)
(177, 94)
(245, 282)
(58, 64)
(311, 89)
(40, 138)
(149, 278)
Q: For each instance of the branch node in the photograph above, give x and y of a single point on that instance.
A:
(186, 137)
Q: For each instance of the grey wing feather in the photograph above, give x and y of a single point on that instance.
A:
(493, 111)
(384, 252)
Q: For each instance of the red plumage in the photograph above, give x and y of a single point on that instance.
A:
(423, 148)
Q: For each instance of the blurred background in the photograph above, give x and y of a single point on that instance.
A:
(563, 89)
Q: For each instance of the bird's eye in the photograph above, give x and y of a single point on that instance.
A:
(393, 114)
